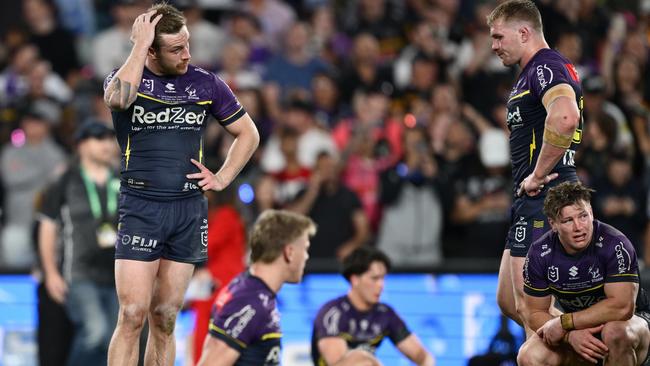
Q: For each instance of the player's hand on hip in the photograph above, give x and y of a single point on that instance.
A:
(144, 29)
(207, 180)
(585, 344)
(532, 186)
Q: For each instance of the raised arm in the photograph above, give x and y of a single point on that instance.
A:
(563, 117)
(122, 89)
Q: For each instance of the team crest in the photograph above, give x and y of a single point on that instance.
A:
(520, 233)
(148, 84)
(553, 273)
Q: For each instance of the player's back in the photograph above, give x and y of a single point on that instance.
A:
(163, 129)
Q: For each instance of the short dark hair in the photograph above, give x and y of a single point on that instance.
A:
(565, 194)
(171, 22)
(273, 230)
(517, 10)
(359, 261)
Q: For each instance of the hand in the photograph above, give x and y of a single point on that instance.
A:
(586, 345)
(551, 332)
(533, 186)
(144, 29)
(207, 179)
(56, 287)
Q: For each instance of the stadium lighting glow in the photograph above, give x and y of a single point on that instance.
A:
(246, 193)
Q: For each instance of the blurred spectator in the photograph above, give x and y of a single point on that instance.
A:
(365, 69)
(325, 94)
(423, 43)
(234, 67)
(277, 190)
(413, 214)
(56, 44)
(337, 212)
(247, 28)
(253, 103)
(207, 41)
(293, 68)
(598, 144)
(113, 45)
(327, 41)
(82, 206)
(569, 44)
(226, 247)
(43, 83)
(14, 84)
(621, 200)
(28, 163)
(299, 116)
(275, 17)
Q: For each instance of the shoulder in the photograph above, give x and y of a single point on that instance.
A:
(609, 240)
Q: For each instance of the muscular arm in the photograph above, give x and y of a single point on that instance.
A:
(537, 310)
(332, 349)
(246, 140)
(217, 353)
(122, 90)
(412, 348)
(619, 305)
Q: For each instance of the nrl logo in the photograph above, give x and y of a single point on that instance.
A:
(553, 273)
(520, 233)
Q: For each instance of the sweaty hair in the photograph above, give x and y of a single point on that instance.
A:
(171, 22)
(522, 10)
(563, 195)
(359, 261)
(273, 230)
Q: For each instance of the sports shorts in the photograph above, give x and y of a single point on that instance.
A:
(176, 230)
(527, 224)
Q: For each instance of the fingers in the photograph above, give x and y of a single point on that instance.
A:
(201, 167)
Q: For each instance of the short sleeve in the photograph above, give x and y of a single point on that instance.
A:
(397, 329)
(535, 283)
(52, 198)
(550, 73)
(328, 322)
(622, 264)
(238, 323)
(225, 107)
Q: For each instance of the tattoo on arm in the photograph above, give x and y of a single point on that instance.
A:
(118, 94)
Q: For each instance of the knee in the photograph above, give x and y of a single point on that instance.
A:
(535, 355)
(163, 318)
(617, 335)
(132, 316)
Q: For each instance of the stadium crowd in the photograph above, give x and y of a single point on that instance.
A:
(382, 120)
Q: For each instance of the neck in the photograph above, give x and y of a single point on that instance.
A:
(358, 302)
(96, 171)
(536, 45)
(153, 66)
(269, 273)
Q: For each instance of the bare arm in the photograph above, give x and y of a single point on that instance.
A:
(246, 140)
(332, 349)
(412, 348)
(562, 120)
(54, 282)
(122, 90)
(537, 311)
(217, 353)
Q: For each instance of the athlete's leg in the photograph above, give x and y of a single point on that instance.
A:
(534, 352)
(505, 289)
(134, 283)
(627, 342)
(168, 293)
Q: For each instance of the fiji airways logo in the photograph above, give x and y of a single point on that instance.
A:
(173, 114)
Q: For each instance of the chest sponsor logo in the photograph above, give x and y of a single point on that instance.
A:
(167, 115)
(514, 117)
(573, 272)
(581, 302)
(553, 274)
(544, 76)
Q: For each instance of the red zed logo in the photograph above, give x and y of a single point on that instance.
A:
(572, 71)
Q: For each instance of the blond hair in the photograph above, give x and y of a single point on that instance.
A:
(273, 230)
(522, 10)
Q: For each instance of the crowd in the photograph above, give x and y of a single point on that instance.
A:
(382, 120)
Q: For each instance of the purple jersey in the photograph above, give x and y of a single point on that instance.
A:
(527, 115)
(246, 318)
(163, 129)
(338, 318)
(577, 281)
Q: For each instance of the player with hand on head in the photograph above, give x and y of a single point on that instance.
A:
(545, 122)
(160, 105)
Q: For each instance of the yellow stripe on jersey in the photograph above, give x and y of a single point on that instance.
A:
(127, 153)
(536, 289)
(625, 275)
(203, 102)
(201, 151)
(519, 95)
(533, 146)
(227, 118)
(271, 336)
(223, 332)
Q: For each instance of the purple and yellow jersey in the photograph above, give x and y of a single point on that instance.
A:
(526, 114)
(578, 281)
(246, 318)
(163, 129)
(338, 318)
